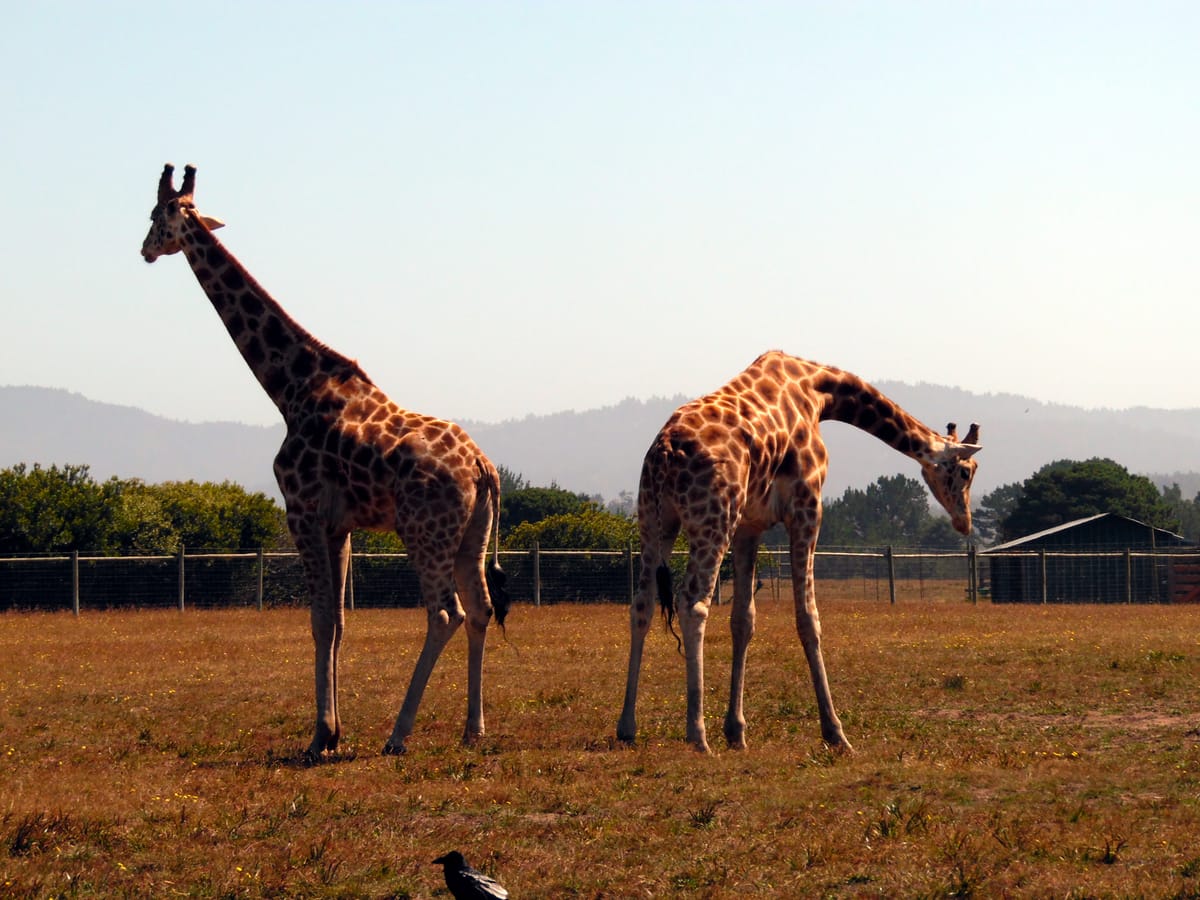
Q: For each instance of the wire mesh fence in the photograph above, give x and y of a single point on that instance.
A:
(264, 580)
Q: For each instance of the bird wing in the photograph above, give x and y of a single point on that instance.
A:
(482, 885)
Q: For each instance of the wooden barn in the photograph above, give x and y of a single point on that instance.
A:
(1105, 558)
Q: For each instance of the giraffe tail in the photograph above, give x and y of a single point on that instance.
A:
(666, 600)
(496, 577)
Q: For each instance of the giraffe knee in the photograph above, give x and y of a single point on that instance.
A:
(446, 618)
(478, 619)
(741, 628)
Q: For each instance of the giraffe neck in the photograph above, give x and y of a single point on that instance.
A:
(290, 364)
(847, 398)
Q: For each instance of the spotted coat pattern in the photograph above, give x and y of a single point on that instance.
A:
(728, 466)
(352, 458)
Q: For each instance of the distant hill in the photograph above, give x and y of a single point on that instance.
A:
(47, 425)
(600, 451)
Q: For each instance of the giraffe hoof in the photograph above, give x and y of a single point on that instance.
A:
(390, 749)
(841, 748)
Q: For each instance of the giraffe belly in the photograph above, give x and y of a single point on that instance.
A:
(768, 507)
(758, 514)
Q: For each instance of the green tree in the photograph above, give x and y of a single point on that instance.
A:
(993, 509)
(624, 505)
(54, 510)
(140, 523)
(1065, 490)
(589, 528)
(511, 481)
(220, 516)
(376, 542)
(534, 504)
(1187, 512)
(938, 534)
(892, 510)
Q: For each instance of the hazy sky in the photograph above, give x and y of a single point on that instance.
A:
(510, 208)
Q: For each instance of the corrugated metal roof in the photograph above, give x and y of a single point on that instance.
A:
(1067, 526)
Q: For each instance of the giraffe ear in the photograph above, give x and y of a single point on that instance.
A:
(212, 224)
(963, 451)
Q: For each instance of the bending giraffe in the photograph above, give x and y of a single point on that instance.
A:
(352, 458)
(728, 466)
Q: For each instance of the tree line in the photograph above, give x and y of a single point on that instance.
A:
(58, 509)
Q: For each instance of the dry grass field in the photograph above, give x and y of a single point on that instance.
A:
(1001, 751)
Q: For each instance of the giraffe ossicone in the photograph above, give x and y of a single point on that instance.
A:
(352, 459)
(728, 466)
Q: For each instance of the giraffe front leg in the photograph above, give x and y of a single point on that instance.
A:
(328, 730)
(325, 584)
(339, 554)
(808, 624)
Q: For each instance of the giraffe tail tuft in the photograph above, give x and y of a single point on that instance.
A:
(497, 580)
(666, 600)
(494, 575)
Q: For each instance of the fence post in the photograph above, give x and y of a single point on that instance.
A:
(261, 563)
(537, 576)
(972, 574)
(629, 564)
(75, 582)
(891, 567)
(350, 578)
(181, 593)
(1128, 576)
(1042, 559)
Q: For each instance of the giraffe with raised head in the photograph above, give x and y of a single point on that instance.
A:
(352, 458)
(728, 466)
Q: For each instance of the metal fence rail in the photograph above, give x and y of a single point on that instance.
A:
(1095, 576)
(267, 579)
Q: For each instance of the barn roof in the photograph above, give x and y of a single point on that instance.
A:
(1068, 526)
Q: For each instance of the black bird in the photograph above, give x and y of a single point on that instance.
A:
(466, 883)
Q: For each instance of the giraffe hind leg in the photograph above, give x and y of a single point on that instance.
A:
(639, 625)
(691, 607)
(472, 585)
(443, 615)
(658, 537)
(741, 626)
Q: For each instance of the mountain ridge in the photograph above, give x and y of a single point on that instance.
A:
(599, 451)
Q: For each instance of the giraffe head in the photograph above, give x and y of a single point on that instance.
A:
(169, 218)
(949, 471)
